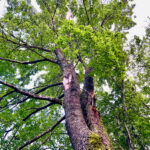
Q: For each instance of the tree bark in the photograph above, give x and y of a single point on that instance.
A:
(75, 123)
(91, 115)
(81, 115)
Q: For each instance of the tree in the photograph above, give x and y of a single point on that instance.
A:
(74, 56)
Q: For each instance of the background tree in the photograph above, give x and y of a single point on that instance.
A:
(74, 59)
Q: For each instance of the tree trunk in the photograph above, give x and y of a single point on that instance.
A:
(91, 115)
(81, 115)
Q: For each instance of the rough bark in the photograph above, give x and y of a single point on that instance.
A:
(75, 123)
(91, 115)
(81, 115)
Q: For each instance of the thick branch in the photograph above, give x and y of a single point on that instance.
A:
(75, 123)
(39, 136)
(27, 62)
(37, 110)
(53, 100)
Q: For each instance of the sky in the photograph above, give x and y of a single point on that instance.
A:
(142, 11)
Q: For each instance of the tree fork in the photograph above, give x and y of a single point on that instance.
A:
(75, 124)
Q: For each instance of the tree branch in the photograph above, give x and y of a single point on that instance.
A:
(53, 100)
(39, 136)
(125, 109)
(48, 138)
(86, 12)
(25, 45)
(27, 62)
(6, 94)
(41, 90)
(129, 135)
(48, 86)
(37, 110)
(49, 11)
(104, 20)
(47, 7)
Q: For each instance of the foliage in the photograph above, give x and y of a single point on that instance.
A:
(94, 33)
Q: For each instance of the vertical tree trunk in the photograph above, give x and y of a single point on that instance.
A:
(80, 121)
(75, 123)
(91, 115)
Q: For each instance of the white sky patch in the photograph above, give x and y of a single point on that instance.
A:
(3, 5)
(35, 5)
(33, 78)
(106, 88)
(142, 11)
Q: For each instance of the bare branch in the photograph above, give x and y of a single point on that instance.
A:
(125, 109)
(52, 100)
(49, 11)
(37, 110)
(39, 136)
(61, 96)
(81, 61)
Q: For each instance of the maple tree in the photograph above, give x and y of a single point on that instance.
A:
(73, 49)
